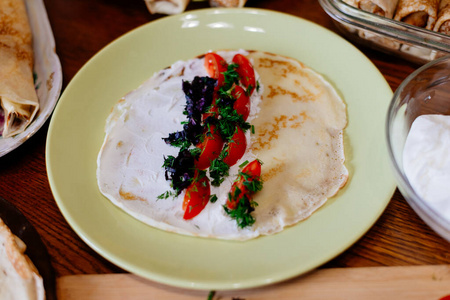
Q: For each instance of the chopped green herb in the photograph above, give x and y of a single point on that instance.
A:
(229, 120)
(243, 164)
(213, 198)
(211, 295)
(231, 76)
(168, 161)
(254, 185)
(218, 170)
(165, 195)
(249, 90)
(195, 151)
(242, 213)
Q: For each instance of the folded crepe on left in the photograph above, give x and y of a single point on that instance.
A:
(18, 96)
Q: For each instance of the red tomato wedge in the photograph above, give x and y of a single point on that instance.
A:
(215, 65)
(196, 197)
(246, 72)
(242, 104)
(239, 189)
(236, 147)
(211, 147)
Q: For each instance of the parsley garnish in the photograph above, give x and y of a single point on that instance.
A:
(242, 212)
(165, 195)
(231, 77)
(213, 198)
(218, 170)
(228, 120)
(243, 164)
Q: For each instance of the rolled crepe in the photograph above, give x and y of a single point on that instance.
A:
(384, 8)
(443, 19)
(421, 13)
(168, 7)
(227, 3)
(17, 93)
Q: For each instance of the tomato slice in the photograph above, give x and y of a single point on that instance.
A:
(236, 147)
(211, 147)
(246, 72)
(215, 66)
(253, 168)
(239, 189)
(196, 197)
(242, 104)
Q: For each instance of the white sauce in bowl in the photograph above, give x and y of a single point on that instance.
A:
(426, 161)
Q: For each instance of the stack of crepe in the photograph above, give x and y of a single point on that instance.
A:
(443, 18)
(19, 101)
(428, 14)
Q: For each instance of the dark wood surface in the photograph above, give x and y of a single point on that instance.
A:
(82, 28)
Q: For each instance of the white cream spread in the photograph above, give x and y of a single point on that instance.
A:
(134, 147)
(426, 161)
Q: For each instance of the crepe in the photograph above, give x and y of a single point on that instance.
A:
(18, 97)
(298, 119)
(299, 137)
(421, 13)
(443, 18)
(227, 3)
(168, 7)
(19, 278)
(384, 8)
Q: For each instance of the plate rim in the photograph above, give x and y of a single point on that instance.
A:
(183, 282)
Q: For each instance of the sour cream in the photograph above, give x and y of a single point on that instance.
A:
(426, 161)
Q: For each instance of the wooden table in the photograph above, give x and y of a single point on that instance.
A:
(82, 28)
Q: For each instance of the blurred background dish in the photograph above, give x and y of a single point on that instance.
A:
(385, 34)
(425, 92)
(36, 250)
(47, 72)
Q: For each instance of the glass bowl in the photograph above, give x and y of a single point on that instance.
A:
(413, 43)
(426, 91)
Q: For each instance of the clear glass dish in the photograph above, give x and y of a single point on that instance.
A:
(425, 91)
(413, 43)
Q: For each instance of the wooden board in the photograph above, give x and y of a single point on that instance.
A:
(404, 282)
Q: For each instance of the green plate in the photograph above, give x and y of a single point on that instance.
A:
(76, 135)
